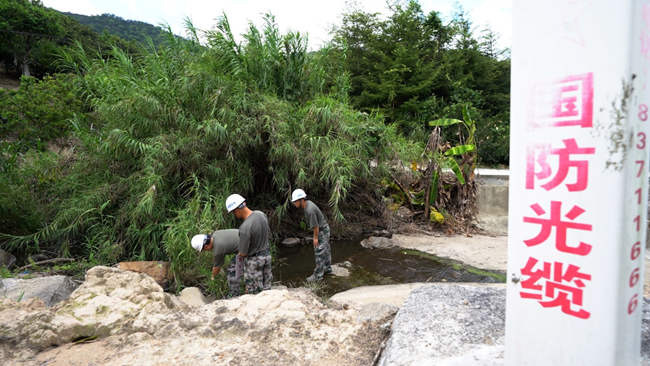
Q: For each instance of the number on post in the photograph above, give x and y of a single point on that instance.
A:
(636, 250)
(634, 302)
(641, 144)
(643, 112)
(634, 277)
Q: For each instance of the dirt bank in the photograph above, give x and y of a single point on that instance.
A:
(485, 252)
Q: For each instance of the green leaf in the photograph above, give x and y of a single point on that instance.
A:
(460, 150)
(466, 116)
(418, 198)
(445, 122)
(456, 169)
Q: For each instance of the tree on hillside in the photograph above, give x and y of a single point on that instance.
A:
(414, 68)
(24, 24)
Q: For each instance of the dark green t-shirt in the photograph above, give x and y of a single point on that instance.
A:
(254, 233)
(314, 216)
(225, 242)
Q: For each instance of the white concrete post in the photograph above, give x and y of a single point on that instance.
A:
(579, 179)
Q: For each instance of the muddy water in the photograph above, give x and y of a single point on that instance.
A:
(370, 267)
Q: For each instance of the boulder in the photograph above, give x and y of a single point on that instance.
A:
(6, 259)
(340, 271)
(159, 271)
(376, 311)
(393, 295)
(49, 289)
(291, 242)
(376, 242)
(450, 325)
(458, 325)
(135, 322)
(192, 296)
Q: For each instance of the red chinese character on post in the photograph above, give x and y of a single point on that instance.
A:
(565, 162)
(561, 228)
(646, 16)
(566, 102)
(557, 287)
(645, 45)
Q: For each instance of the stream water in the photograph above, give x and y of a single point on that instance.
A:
(373, 267)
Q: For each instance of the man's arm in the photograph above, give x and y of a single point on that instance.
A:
(215, 271)
(244, 243)
(316, 230)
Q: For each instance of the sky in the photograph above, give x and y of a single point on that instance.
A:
(314, 17)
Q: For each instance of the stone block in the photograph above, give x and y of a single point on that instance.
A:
(51, 289)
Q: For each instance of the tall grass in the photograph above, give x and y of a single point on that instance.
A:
(186, 125)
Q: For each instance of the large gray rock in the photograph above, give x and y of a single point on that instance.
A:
(375, 242)
(450, 325)
(289, 242)
(137, 323)
(6, 259)
(375, 311)
(460, 325)
(49, 289)
(192, 296)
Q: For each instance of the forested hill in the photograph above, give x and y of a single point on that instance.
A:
(130, 30)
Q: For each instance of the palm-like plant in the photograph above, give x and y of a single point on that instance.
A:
(188, 124)
(440, 160)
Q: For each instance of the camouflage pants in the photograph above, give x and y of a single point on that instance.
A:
(234, 282)
(323, 254)
(257, 274)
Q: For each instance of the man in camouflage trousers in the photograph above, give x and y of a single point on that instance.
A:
(222, 243)
(321, 234)
(253, 245)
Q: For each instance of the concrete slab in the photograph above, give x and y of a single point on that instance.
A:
(485, 252)
(390, 294)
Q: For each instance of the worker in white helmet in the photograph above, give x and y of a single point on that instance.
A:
(321, 234)
(253, 244)
(222, 243)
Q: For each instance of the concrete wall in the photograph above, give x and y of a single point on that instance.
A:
(492, 204)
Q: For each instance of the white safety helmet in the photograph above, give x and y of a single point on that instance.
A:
(233, 201)
(298, 194)
(198, 241)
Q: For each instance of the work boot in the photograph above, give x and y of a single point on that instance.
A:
(312, 278)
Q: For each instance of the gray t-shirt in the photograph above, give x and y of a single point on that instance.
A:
(254, 233)
(225, 242)
(314, 216)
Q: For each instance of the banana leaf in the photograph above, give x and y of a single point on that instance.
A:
(445, 122)
(466, 115)
(418, 199)
(460, 150)
(456, 169)
(433, 191)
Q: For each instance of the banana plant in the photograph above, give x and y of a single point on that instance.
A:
(446, 160)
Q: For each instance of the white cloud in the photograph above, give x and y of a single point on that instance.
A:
(169, 8)
(85, 7)
(313, 17)
(498, 14)
(131, 6)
